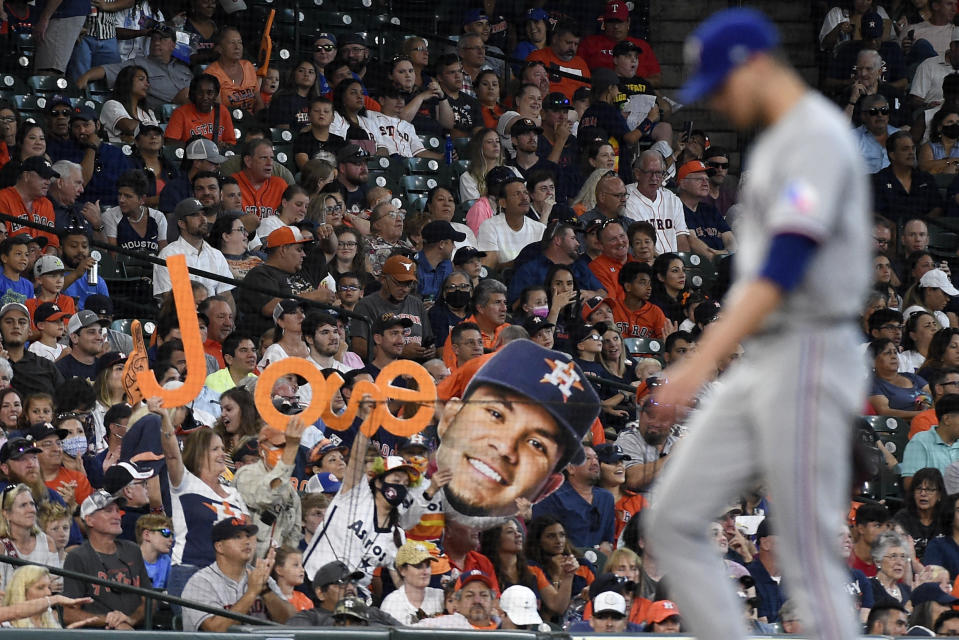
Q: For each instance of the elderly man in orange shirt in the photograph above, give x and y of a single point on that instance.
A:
(27, 199)
(260, 190)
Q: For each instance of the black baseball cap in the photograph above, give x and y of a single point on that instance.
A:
(40, 166)
(16, 448)
(535, 324)
(625, 46)
(99, 304)
(465, 254)
(229, 528)
(609, 453)
(439, 230)
(352, 153)
(524, 125)
(334, 572)
(556, 101)
(390, 320)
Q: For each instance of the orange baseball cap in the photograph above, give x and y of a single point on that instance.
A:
(399, 267)
(284, 236)
(662, 610)
(693, 166)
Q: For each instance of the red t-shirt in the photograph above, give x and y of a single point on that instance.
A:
(854, 562)
(597, 51)
(186, 122)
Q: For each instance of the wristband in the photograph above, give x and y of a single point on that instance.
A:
(99, 229)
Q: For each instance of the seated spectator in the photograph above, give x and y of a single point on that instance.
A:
(944, 551)
(937, 447)
(63, 472)
(917, 334)
(103, 554)
(132, 225)
(710, 234)
(414, 599)
(936, 29)
(13, 257)
(609, 615)
(352, 176)
(331, 584)
(395, 296)
(27, 198)
(203, 115)
(28, 600)
(633, 313)
(503, 237)
(931, 293)
(154, 534)
(433, 262)
(235, 95)
(901, 190)
(126, 110)
(524, 135)
(261, 190)
(289, 107)
(20, 535)
(484, 153)
(30, 142)
(874, 131)
(559, 247)
(941, 153)
(239, 354)
(597, 49)
(459, 112)
(102, 163)
(942, 352)
(891, 556)
(871, 83)
(317, 138)
(943, 381)
(199, 157)
(32, 373)
(648, 201)
(128, 481)
(887, 618)
(220, 583)
(475, 594)
(900, 395)
(351, 120)
(648, 446)
(561, 54)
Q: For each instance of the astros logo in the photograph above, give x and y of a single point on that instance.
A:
(563, 377)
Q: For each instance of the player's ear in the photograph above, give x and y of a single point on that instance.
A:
(552, 484)
(452, 407)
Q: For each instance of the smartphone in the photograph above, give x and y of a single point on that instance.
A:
(687, 130)
(911, 35)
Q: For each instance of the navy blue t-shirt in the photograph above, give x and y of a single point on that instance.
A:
(290, 109)
(708, 224)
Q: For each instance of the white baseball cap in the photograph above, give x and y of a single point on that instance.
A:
(609, 601)
(937, 278)
(519, 603)
(48, 264)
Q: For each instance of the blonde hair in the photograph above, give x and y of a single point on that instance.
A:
(6, 502)
(16, 593)
(51, 512)
(623, 553)
(587, 194)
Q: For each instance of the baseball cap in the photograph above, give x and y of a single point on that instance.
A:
(325, 36)
(584, 331)
(353, 607)
(38, 165)
(352, 153)
(536, 14)
(390, 320)
(465, 254)
(550, 378)
(48, 264)
(524, 125)
(284, 236)
(609, 582)
(188, 207)
(720, 44)
(610, 453)
(203, 149)
(230, 528)
(591, 305)
(583, 93)
(609, 601)
(99, 304)
(42, 430)
(519, 603)
(662, 610)
(625, 46)
(937, 279)
(285, 306)
(97, 500)
(325, 446)
(731, 508)
(413, 443)
(414, 552)
(122, 474)
(601, 79)
(149, 128)
(16, 448)
(474, 15)
(505, 122)
(83, 319)
(556, 101)
(57, 100)
(396, 463)
(83, 112)
(931, 591)
(328, 482)
(616, 10)
(693, 166)
(535, 324)
(334, 572)
(14, 306)
(472, 576)
(109, 359)
(439, 230)
(871, 25)
(250, 447)
(48, 312)
(353, 38)
(401, 268)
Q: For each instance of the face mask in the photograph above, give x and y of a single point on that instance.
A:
(272, 456)
(541, 312)
(458, 299)
(74, 445)
(951, 130)
(393, 493)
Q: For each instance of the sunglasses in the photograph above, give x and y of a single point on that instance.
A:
(166, 533)
(349, 287)
(875, 111)
(717, 165)
(325, 47)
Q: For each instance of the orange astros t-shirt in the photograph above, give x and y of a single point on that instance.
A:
(263, 201)
(12, 204)
(607, 271)
(646, 322)
(187, 122)
(236, 96)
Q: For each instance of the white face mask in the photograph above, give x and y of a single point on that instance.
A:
(74, 445)
(541, 311)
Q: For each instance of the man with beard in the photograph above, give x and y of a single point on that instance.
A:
(648, 446)
(239, 352)
(586, 510)
(561, 56)
(75, 248)
(524, 134)
(515, 429)
(63, 194)
(706, 225)
(85, 332)
(352, 175)
(101, 162)
(280, 274)
(355, 53)
(322, 336)
(27, 198)
(191, 219)
(396, 297)
(31, 373)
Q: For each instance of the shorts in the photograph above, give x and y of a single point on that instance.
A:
(55, 50)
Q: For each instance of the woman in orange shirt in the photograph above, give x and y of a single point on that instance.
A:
(239, 86)
(488, 93)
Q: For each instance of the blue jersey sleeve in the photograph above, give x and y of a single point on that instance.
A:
(788, 259)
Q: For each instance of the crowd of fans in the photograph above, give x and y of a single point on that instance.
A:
(553, 201)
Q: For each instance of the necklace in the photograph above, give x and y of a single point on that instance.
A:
(142, 213)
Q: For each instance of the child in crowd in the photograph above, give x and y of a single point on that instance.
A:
(271, 82)
(313, 507)
(349, 290)
(318, 137)
(54, 520)
(38, 407)
(288, 572)
(48, 273)
(155, 536)
(48, 319)
(13, 256)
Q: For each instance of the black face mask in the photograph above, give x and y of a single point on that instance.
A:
(458, 299)
(393, 493)
(951, 130)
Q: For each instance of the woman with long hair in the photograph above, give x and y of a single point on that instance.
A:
(485, 152)
(127, 108)
(20, 535)
(348, 256)
(488, 93)
(900, 395)
(349, 107)
(289, 108)
(11, 406)
(669, 284)
(917, 335)
(923, 515)
(28, 601)
(288, 336)
(402, 74)
(238, 420)
(941, 153)
(199, 22)
(441, 205)
(418, 51)
(943, 352)
(31, 142)
(562, 296)
(503, 545)
(556, 564)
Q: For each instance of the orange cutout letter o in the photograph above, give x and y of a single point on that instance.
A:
(425, 395)
(264, 391)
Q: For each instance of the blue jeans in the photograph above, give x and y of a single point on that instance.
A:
(90, 52)
(180, 574)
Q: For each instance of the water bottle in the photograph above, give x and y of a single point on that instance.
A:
(449, 150)
(93, 273)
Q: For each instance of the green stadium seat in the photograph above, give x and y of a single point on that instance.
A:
(13, 84)
(432, 143)
(50, 85)
(642, 347)
(283, 153)
(166, 111)
(30, 104)
(282, 136)
(415, 203)
(461, 210)
(423, 166)
(700, 272)
(461, 166)
(174, 152)
(418, 184)
(123, 326)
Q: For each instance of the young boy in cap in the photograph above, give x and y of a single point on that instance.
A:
(48, 319)
(48, 273)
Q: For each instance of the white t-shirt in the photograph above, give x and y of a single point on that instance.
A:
(837, 15)
(910, 361)
(496, 235)
(42, 350)
(399, 606)
(113, 112)
(112, 216)
(395, 135)
(665, 214)
(927, 83)
(349, 534)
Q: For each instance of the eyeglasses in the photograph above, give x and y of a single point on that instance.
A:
(346, 244)
(717, 165)
(882, 242)
(896, 556)
(927, 489)
(594, 336)
(459, 287)
(349, 287)
(240, 230)
(891, 327)
(334, 208)
(621, 195)
(875, 111)
(422, 48)
(166, 533)
(325, 47)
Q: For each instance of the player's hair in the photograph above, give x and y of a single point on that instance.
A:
(943, 618)
(883, 316)
(151, 521)
(632, 269)
(881, 611)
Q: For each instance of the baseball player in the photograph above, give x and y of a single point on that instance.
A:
(783, 412)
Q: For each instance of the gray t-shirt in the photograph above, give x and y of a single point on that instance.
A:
(212, 587)
(166, 80)
(796, 188)
(374, 306)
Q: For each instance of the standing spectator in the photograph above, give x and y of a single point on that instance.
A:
(57, 29)
(105, 555)
(561, 56)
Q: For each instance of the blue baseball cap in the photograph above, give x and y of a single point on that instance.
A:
(328, 482)
(722, 43)
(552, 380)
(325, 36)
(83, 112)
(537, 14)
(474, 15)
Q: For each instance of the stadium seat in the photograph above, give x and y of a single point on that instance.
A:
(461, 210)
(462, 146)
(13, 84)
(123, 326)
(30, 104)
(282, 136)
(283, 153)
(942, 242)
(892, 431)
(641, 347)
(98, 90)
(49, 85)
(423, 166)
(461, 166)
(418, 184)
(432, 143)
(415, 203)
(700, 272)
(384, 179)
(173, 152)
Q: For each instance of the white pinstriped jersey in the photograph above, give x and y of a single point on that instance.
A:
(398, 136)
(665, 214)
